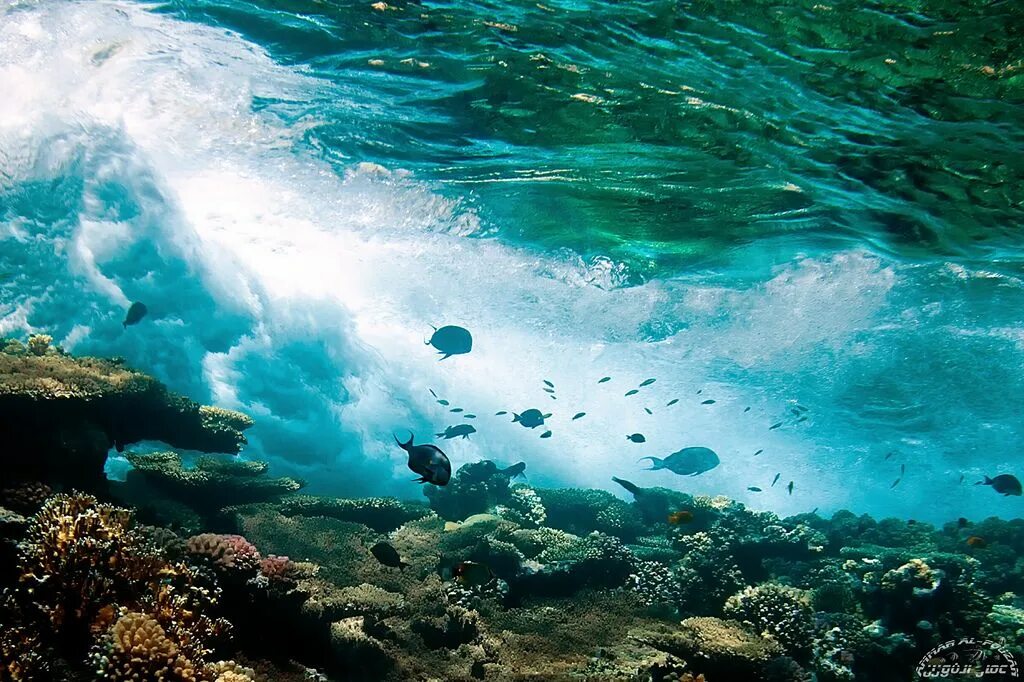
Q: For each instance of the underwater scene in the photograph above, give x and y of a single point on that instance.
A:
(430, 340)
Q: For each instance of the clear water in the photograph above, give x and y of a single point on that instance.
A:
(771, 205)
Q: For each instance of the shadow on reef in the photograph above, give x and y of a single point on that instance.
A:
(496, 581)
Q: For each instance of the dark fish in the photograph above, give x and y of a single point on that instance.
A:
(1004, 484)
(516, 469)
(699, 391)
(136, 311)
(546, 434)
(469, 416)
(795, 412)
(895, 483)
(498, 414)
(962, 478)
(578, 415)
(428, 461)
(603, 379)
(903, 469)
(801, 407)
(814, 511)
(631, 487)
(911, 522)
(975, 541)
(443, 402)
(754, 489)
(553, 397)
(776, 479)
(432, 392)
(472, 574)
(551, 385)
(456, 409)
(647, 382)
(388, 556)
(455, 431)
(678, 517)
(708, 402)
(451, 340)
(774, 426)
(962, 522)
(801, 420)
(889, 454)
(686, 462)
(758, 452)
(672, 402)
(636, 438)
(633, 392)
(648, 410)
(746, 409)
(549, 390)
(531, 418)
(790, 487)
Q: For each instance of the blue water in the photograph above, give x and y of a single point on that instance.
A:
(749, 204)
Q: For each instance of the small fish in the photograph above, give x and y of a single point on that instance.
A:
(699, 391)
(443, 402)
(636, 438)
(432, 392)
(647, 382)
(895, 483)
(774, 426)
(633, 392)
(708, 402)
(962, 478)
(776, 479)
(962, 522)
(801, 420)
(451, 340)
(648, 410)
(975, 541)
(136, 311)
(469, 416)
(553, 397)
(678, 517)
(456, 409)
(1004, 484)
(795, 412)
(801, 407)
(388, 556)
(889, 454)
(531, 418)
(790, 487)
(546, 434)
(603, 379)
(903, 469)
(549, 384)
(745, 410)
(548, 390)
(911, 522)
(758, 452)
(463, 430)
(672, 402)
(472, 573)
(514, 470)
(499, 413)
(754, 489)
(579, 415)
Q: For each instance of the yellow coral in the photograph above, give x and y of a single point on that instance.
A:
(39, 344)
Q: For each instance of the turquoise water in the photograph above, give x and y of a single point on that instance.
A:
(805, 205)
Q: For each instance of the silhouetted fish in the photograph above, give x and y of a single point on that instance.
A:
(443, 402)
(451, 340)
(895, 483)
(499, 413)
(516, 469)
(428, 461)
(578, 415)
(747, 409)
(603, 379)
(672, 402)
(790, 487)
(648, 410)
(636, 438)
(754, 489)
(136, 311)
(758, 452)
(469, 416)
(776, 479)
(690, 461)
(455, 431)
(632, 392)
(531, 418)
(546, 434)
(456, 409)
(774, 426)
(550, 385)
(388, 556)
(548, 390)
(647, 382)
(1004, 484)
(708, 402)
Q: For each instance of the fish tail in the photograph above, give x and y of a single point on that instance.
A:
(655, 463)
(987, 481)
(436, 435)
(631, 487)
(406, 445)
(515, 417)
(445, 356)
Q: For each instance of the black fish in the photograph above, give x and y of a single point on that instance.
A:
(699, 391)
(498, 414)
(801, 420)
(776, 479)
(136, 312)
(889, 454)
(451, 340)
(472, 573)
(790, 487)
(754, 489)
(549, 383)
(636, 438)
(962, 478)
(546, 434)
(432, 392)
(455, 431)
(456, 409)
(1004, 484)
(708, 402)
(443, 402)
(516, 469)
(603, 379)
(647, 382)
(388, 556)
(469, 416)
(578, 415)
(548, 390)
(903, 469)
(553, 397)
(633, 392)
(746, 409)
(631, 487)
(690, 461)
(774, 426)
(758, 452)
(962, 522)
(672, 402)
(648, 410)
(896, 483)
(428, 461)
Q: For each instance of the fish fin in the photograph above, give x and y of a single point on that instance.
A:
(465, 436)
(631, 487)
(987, 481)
(547, 416)
(444, 356)
(406, 445)
(655, 463)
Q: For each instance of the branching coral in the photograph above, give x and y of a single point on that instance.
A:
(226, 552)
(137, 648)
(523, 507)
(778, 610)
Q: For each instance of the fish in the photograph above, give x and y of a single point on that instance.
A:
(603, 379)
(553, 397)
(754, 489)
(429, 461)
(790, 487)
(628, 485)
(516, 469)
(895, 483)
(647, 382)
(975, 541)
(456, 409)
(546, 434)
(432, 392)
(776, 479)
(774, 426)
(795, 412)
(388, 556)
(457, 430)
(633, 392)
(678, 517)
(672, 402)
(531, 418)
(579, 415)
(691, 461)
(443, 402)
(648, 410)
(911, 522)
(801, 420)
(469, 416)
(801, 407)
(699, 391)
(1004, 484)
(551, 385)
(636, 438)
(136, 311)
(758, 452)
(962, 522)
(451, 340)
(548, 390)
(814, 511)
(472, 573)
(962, 477)
(889, 454)
(745, 410)
(708, 402)
(903, 469)
(499, 413)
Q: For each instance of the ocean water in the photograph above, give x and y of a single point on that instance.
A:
(764, 205)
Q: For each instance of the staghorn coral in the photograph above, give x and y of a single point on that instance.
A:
(778, 610)
(226, 552)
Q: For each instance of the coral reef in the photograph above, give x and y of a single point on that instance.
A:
(379, 513)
